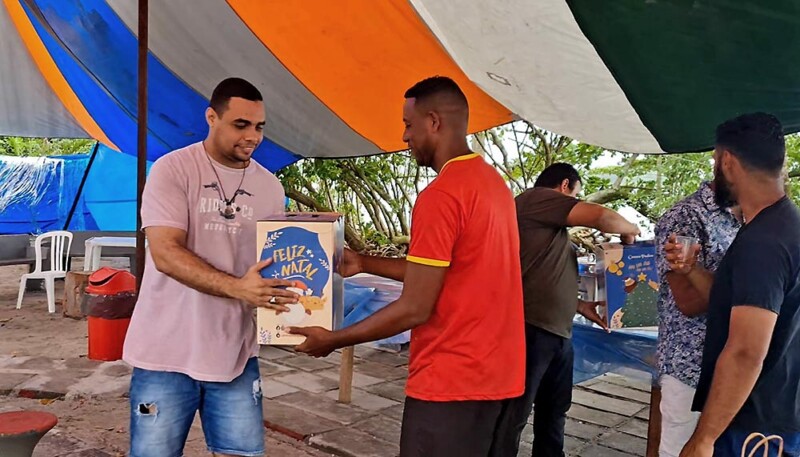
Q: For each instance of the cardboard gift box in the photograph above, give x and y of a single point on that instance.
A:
(305, 248)
(628, 282)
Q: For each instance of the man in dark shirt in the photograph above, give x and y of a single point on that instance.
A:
(751, 360)
(550, 290)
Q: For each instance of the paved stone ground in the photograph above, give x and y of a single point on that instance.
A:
(43, 366)
(608, 417)
(99, 428)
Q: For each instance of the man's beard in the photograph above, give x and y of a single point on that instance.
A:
(723, 196)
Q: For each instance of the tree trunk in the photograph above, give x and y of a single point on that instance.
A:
(370, 205)
(74, 289)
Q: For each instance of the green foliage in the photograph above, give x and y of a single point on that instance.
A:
(377, 193)
(793, 167)
(653, 183)
(520, 151)
(39, 147)
(648, 183)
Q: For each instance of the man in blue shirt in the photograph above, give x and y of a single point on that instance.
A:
(751, 361)
(681, 311)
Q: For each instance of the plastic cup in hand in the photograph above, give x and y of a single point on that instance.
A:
(687, 246)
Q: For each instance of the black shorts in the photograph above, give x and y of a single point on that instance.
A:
(450, 429)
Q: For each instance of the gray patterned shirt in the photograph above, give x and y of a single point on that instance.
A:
(681, 338)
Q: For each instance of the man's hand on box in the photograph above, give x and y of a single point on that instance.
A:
(629, 237)
(264, 293)
(351, 264)
(319, 342)
(588, 309)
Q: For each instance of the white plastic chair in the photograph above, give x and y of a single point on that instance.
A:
(60, 242)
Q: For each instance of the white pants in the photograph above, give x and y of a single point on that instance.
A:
(678, 421)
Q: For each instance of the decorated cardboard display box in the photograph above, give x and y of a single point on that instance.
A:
(628, 282)
(305, 249)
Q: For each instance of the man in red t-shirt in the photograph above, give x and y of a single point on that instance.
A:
(462, 292)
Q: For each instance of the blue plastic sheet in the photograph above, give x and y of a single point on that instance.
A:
(627, 352)
(364, 296)
(356, 298)
(110, 190)
(36, 194)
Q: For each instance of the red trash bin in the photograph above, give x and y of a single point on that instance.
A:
(109, 301)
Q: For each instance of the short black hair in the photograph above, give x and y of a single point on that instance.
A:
(436, 85)
(552, 176)
(232, 87)
(756, 139)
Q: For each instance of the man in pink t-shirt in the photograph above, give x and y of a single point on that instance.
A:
(192, 339)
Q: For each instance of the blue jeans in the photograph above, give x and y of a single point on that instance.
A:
(163, 406)
(730, 444)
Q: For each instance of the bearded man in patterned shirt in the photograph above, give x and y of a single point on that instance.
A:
(681, 310)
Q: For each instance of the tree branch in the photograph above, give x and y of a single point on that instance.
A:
(350, 235)
(606, 196)
(481, 138)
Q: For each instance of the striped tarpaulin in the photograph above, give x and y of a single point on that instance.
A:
(630, 75)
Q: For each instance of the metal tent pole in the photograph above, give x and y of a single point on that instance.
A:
(141, 154)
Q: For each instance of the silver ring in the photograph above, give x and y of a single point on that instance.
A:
(272, 300)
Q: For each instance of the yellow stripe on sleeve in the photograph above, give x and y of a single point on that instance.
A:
(429, 262)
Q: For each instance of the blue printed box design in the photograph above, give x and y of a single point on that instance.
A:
(630, 281)
(304, 248)
(297, 255)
